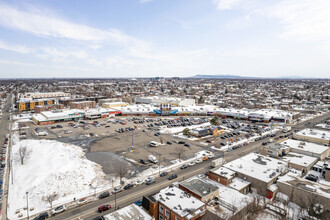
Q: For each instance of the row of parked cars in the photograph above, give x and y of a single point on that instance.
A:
(3, 164)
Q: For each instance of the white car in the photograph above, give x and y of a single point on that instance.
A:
(117, 189)
(199, 161)
(138, 182)
(82, 201)
(149, 178)
(211, 155)
(191, 164)
(58, 209)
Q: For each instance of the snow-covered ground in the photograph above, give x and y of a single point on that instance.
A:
(180, 129)
(51, 167)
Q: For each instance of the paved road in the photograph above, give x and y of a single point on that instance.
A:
(4, 129)
(88, 211)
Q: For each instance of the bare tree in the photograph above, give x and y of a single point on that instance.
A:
(179, 151)
(50, 199)
(23, 154)
(121, 170)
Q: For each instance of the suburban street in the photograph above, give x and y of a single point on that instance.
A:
(4, 129)
(89, 211)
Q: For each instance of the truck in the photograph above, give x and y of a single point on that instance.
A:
(217, 162)
(152, 159)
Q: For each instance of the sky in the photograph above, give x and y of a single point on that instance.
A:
(170, 38)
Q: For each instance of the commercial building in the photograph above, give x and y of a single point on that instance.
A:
(168, 100)
(200, 189)
(261, 171)
(173, 203)
(274, 150)
(300, 162)
(50, 117)
(313, 135)
(114, 104)
(307, 148)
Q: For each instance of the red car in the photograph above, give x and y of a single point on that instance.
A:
(104, 208)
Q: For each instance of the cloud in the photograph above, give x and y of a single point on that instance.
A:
(45, 25)
(12, 62)
(305, 20)
(225, 4)
(15, 48)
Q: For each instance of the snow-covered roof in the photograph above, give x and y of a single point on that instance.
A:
(258, 166)
(223, 171)
(305, 146)
(178, 200)
(314, 133)
(299, 159)
(198, 186)
(130, 212)
(238, 184)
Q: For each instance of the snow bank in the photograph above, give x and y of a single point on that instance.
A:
(51, 167)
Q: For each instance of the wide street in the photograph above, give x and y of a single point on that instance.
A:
(89, 211)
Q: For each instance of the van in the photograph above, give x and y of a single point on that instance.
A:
(153, 144)
(152, 159)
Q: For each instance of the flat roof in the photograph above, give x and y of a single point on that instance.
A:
(223, 171)
(238, 184)
(258, 166)
(178, 200)
(314, 133)
(305, 146)
(130, 212)
(299, 159)
(199, 186)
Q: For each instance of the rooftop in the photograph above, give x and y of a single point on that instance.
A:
(305, 146)
(239, 184)
(314, 133)
(223, 171)
(178, 200)
(258, 166)
(299, 159)
(130, 212)
(199, 186)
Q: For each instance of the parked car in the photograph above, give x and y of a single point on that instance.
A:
(58, 209)
(150, 181)
(173, 176)
(98, 218)
(117, 189)
(143, 161)
(168, 142)
(104, 208)
(184, 166)
(104, 195)
(42, 216)
(163, 174)
(199, 161)
(128, 186)
(138, 182)
(186, 145)
(191, 163)
(82, 201)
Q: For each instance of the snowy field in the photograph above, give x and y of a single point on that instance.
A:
(51, 167)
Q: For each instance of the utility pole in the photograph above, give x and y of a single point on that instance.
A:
(27, 204)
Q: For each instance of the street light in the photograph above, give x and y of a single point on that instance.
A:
(27, 204)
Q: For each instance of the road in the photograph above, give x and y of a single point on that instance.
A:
(4, 129)
(88, 211)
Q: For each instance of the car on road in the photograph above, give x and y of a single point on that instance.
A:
(82, 201)
(98, 218)
(198, 161)
(150, 181)
(138, 203)
(186, 145)
(117, 189)
(191, 163)
(208, 141)
(104, 195)
(128, 186)
(184, 166)
(163, 174)
(104, 208)
(168, 142)
(264, 143)
(58, 209)
(42, 216)
(138, 182)
(173, 176)
(181, 142)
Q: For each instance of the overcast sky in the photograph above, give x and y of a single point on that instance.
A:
(132, 38)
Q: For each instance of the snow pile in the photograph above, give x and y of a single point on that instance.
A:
(51, 167)
(181, 128)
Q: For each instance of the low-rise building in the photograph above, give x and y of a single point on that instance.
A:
(173, 203)
(261, 171)
(313, 135)
(130, 212)
(82, 105)
(114, 104)
(200, 189)
(300, 161)
(222, 175)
